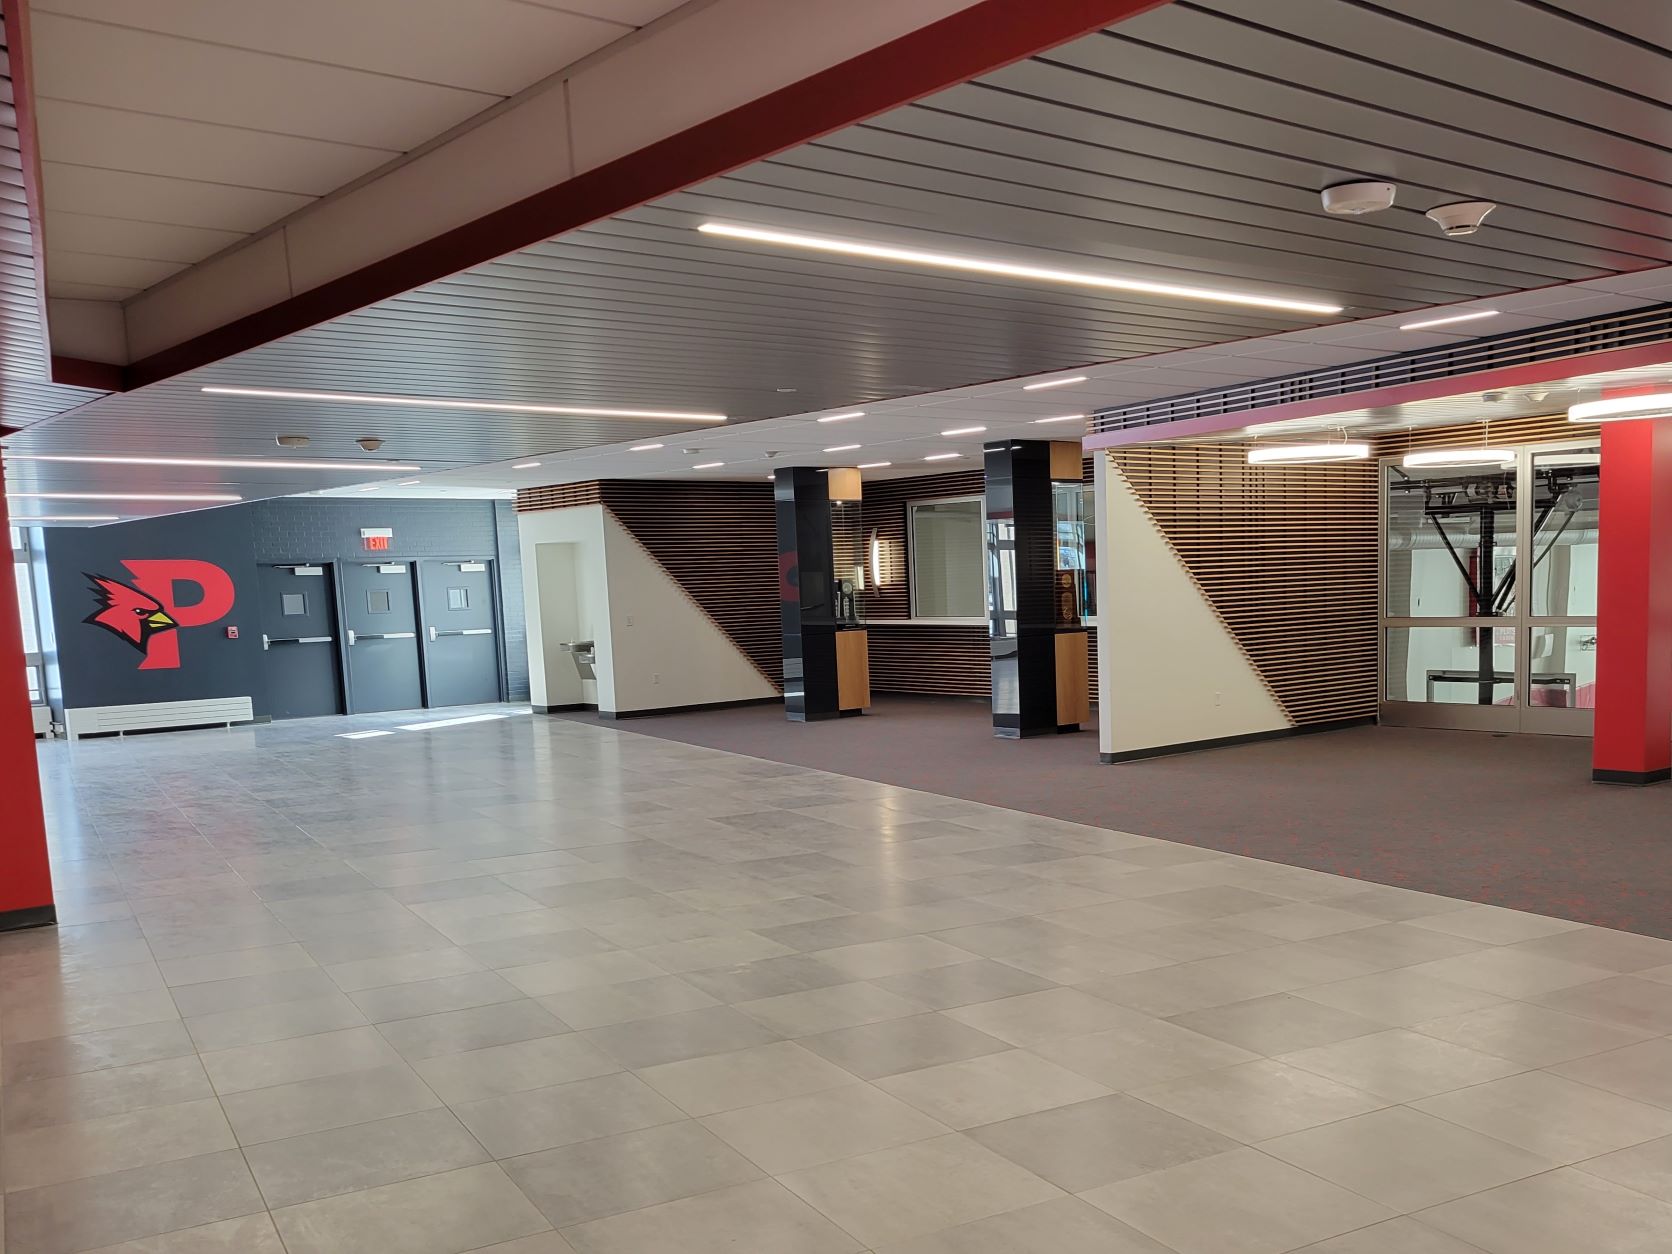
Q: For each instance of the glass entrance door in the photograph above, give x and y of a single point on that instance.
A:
(1489, 592)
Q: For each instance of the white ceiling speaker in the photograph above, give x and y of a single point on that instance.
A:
(370, 443)
(291, 441)
(1460, 219)
(1352, 199)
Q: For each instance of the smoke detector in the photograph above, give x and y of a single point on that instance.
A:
(291, 441)
(370, 443)
(1462, 218)
(1352, 199)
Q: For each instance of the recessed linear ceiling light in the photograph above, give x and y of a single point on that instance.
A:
(41, 518)
(874, 465)
(707, 465)
(1064, 418)
(843, 448)
(121, 496)
(409, 483)
(432, 402)
(1308, 454)
(1052, 383)
(237, 463)
(857, 413)
(941, 457)
(524, 465)
(1622, 408)
(1449, 320)
(1436, 457)
(977, 265)
(643, 448)
(372, 488)
(964, 431)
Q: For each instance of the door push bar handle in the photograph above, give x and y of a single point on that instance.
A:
(354, 636)
(268, 642)
(438, 632)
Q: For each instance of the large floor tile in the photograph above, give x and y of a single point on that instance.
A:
(343, 1160)
(673, 1038)
(1034, 1017)
(1242, 1202)
(1556, 1118)
(1646, 1168)
(1081, 1146)
(130, 1205)
(1401, 1065)
(911, 1190)
(1277, 1024)
(827, 1009)
(1063, 1226)
(874, 1050)
(440, 1214)
(1405, 1159)
(524, 1123)
(1141, 1051)
(1254, 1101)
(745, 1077)
(606, 1004)
(300, 1058)
(515, 1068)
(611, 1175)
(337, 1101)
(990, 1088)
(96, 1094)
(94, 1147)
(799, 1132)
(774, 1219)
(1529, 1034)
(1557, 1213)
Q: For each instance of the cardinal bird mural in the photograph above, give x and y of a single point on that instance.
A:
(148, 614)
(130, 613)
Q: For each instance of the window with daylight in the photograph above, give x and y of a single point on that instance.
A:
(26, 614)
(947, 568)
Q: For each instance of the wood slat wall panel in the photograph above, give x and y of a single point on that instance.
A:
(1287, 558)
(1544, 429)
(717, 541)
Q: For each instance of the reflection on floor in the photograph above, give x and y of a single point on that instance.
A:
(1506, 820)
(534, 986)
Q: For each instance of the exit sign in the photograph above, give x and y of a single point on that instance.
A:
(376, 539)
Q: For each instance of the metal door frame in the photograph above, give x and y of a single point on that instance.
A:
(1521, 717)
(347, 652)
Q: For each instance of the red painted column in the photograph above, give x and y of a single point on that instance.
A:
(1634, 605)
(25, 877)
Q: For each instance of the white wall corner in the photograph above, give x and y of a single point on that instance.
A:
(1169, 670)
(93, 330)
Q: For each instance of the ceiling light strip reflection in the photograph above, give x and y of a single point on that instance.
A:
(227, 463)
(977, 265)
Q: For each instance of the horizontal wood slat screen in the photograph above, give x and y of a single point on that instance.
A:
(1287, 557)
(947, 661)
(1544, 429)
(556, 496)
(717, 541)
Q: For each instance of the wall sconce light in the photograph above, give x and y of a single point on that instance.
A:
(875, 550)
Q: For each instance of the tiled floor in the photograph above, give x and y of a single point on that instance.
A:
(532, 986)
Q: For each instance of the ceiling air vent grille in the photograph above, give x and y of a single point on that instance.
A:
(1519, 348)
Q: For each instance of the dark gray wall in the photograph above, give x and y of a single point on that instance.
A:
(98, 667)
(295, 529)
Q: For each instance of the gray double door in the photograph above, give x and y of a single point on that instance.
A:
(420, 634)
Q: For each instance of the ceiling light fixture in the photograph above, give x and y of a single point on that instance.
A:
(121, 496)
(234, 463)
(874, 465)
(941, 457)
(1449, 320)
(524, 465)
(409, 483)
(431, 402)
(1622, 408)
(46, 518)
(977, 265)
(1052, 383)
(707, 465)
(843, 448)
(372, 488)
(964, 431)
(1308, 454)
(1064, 418)
(1434, 458)
(857, 413)
(643, 448)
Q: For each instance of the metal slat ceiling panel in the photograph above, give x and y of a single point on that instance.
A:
(1188, 144)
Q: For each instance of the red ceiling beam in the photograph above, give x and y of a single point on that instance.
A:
(979, 39)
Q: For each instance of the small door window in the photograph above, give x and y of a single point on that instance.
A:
(377, 601)
(295, 604)
(458, 598)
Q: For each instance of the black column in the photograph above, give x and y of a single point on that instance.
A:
(806, 570)
(1022, 608)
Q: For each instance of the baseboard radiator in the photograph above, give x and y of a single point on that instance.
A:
(104, 720)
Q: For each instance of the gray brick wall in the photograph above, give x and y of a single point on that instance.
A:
(293, 529)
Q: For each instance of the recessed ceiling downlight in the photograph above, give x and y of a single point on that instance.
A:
(1308, 454)
(1009, 270)
(1433, 458)
(1623, 408)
